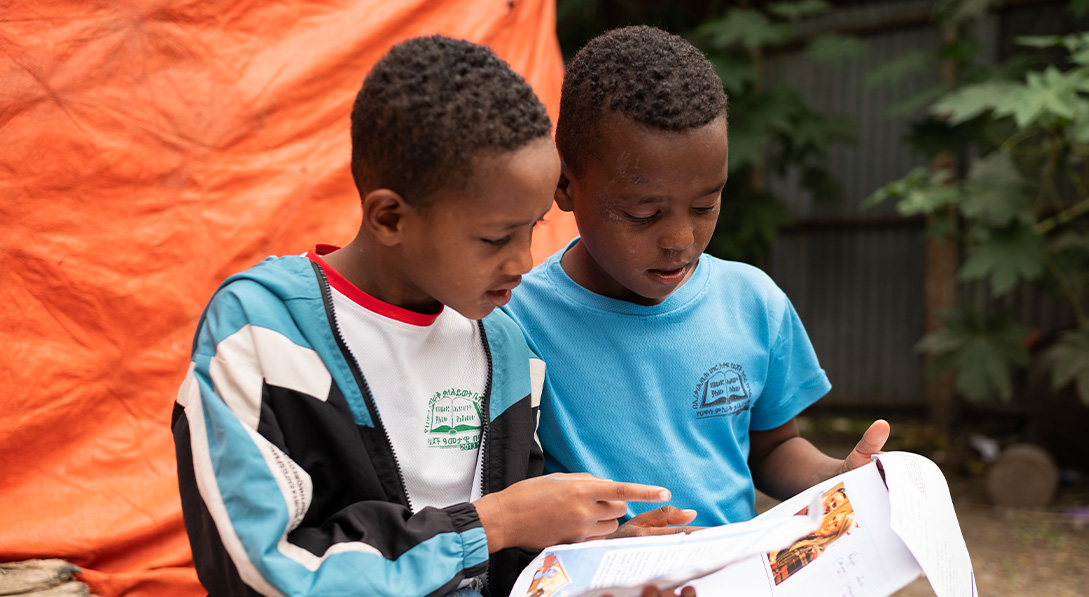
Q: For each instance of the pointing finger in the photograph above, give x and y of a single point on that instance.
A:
(634, 492)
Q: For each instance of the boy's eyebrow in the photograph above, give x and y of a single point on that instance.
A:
(520, 224)
(658, 198)
(513, 225)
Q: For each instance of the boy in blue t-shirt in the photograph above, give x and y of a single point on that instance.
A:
(666, 366)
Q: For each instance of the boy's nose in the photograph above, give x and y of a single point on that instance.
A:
(677, 237)
(521, 261)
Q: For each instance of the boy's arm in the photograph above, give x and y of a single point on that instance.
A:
(783, 463)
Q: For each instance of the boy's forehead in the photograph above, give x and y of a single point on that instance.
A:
(625, 139)
(634, 154)
(637, 165)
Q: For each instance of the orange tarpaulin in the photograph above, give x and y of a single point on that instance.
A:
(148, 149)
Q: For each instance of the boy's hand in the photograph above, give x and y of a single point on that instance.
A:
(871, 443)
(558, 508)
(652, 591)
(657, 522)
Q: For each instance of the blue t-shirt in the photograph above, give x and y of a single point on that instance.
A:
(666, 394)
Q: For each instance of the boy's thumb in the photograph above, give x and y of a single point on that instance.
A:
(668, 516)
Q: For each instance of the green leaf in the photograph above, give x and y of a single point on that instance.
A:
(1069, 252)
(745, 27)
(778, 108)
(809, 133)
(895, 71)
(1051, 93)
(745, 145)
(736, 71)
(927, 200)
(1069, 242)
(1070, 361)
(973, 100)
(834, 49)
(955, 12)
(1080, 129)
(1078, 8)
(1039, 41)
(931, 136)
(822, 185)
(962, 50)
(1006, 256)
(747, 224)
(981, 350)
(1026, 106)
(996, 194)
(919, 192)
(917, 101)
(804, 9)
(1076, 41)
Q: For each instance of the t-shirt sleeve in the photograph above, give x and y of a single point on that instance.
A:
(795, 378)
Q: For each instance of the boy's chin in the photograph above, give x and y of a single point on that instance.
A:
(477, 311)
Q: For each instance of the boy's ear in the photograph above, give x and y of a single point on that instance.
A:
(384, 214)
(563, 189)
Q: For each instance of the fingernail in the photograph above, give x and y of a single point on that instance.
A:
(664, 495)
(689, 511)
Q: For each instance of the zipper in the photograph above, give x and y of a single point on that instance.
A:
(484, 423)
(327, 299)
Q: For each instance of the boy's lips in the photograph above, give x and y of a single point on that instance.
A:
(501, 295)
(498, 297)
(670, 275)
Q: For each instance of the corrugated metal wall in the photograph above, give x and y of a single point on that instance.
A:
(856, 278)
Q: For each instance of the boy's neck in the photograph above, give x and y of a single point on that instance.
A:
(584, 270)
(373, 270)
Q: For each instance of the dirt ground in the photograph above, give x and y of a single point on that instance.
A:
(1015, 551)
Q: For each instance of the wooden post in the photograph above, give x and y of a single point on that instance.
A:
(940, 286)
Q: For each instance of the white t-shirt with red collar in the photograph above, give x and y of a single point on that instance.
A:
(427, 375)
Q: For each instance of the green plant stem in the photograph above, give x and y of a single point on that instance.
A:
(1068, 290)
(1062, 217)
(1013, 140)
(1077, 181)
(1047, 174)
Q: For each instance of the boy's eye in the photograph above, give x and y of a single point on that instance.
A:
(643, 219)
(498, 242)
(705, 210)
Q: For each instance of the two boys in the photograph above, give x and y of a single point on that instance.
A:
(358, 421)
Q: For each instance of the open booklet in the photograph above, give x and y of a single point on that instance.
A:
(856, 535)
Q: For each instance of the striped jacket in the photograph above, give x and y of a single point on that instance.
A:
(289, 485)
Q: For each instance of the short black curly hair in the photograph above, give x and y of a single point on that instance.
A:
(429, 107)
(655, 78)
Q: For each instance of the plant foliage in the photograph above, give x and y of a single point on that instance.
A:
(1019, 214)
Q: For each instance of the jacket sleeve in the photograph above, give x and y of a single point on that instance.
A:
(248, 501)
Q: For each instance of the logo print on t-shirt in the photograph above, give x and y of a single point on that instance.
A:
(453, 420)
(723, 390)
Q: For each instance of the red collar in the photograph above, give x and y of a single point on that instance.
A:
(363, 299)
